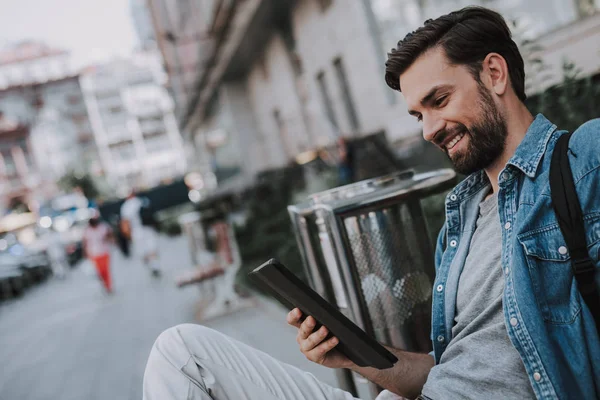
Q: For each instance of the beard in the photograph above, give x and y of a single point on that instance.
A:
(487, 138)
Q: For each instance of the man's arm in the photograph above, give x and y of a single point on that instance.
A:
(84, 246)
(406, 378)
(125, 227)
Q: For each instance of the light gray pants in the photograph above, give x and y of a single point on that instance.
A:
(194, 362)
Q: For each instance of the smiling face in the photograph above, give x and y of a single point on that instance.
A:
(458, 112)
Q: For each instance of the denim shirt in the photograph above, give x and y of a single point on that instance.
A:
(546, 318)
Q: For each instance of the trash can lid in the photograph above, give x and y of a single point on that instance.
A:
(418, 185)
(403, 183)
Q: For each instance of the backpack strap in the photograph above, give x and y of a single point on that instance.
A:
(570, 219)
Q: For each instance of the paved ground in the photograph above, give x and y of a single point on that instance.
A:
(67, 340)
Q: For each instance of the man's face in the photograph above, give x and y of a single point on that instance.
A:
(458, 113)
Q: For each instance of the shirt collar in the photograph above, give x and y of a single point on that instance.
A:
(529, 153)
(527, 157)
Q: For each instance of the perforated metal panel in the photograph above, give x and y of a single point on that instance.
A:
(387, 252)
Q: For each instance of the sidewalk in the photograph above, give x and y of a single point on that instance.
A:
(67, 340)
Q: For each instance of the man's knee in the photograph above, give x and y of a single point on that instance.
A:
(179, 340)
(171, 364)
(178, 333)
(173, 343)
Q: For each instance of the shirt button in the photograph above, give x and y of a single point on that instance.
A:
(562, 250)
(453, 243)
(440, 338)
(513, 321)
(505, 176)
(507, 226)
(537, 377)
(440, 288)
(506, 271)
(453, 197)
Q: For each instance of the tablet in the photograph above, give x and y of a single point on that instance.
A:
(289, 290)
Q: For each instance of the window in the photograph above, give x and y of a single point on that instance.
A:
(326, 99)
(345, 90)
(157, 144)
(282, 131)
(73, 99)
(152, 125)
(9, 165)
(324, 4)
(124, 152)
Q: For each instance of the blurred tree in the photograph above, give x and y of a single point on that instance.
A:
(18, 205)
(268, 232)
(86, 182)
(585, 8)
(571, 103)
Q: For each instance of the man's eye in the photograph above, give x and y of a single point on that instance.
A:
(440, 101)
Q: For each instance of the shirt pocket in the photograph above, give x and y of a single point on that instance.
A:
(549, 265)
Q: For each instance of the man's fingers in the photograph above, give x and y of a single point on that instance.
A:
(318, 353)
(314, 340)
(293, 317)
(306, 328)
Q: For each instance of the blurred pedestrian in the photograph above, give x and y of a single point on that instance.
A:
(57, 254)
(122, 240)
(137, 222)
(97, 239)
(346, 162)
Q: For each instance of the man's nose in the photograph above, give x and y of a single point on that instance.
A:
(431, 127)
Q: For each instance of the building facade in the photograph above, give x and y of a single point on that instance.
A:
(39, 89)
(19, 177)
(142, 23)
(181, 30)
(284, 76)
(132, 118)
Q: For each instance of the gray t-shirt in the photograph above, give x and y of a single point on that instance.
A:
(480, 362)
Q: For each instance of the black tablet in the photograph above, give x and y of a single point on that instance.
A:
(354, 343)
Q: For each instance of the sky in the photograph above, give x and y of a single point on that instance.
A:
(92, 30)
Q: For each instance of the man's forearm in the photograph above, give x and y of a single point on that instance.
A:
(406, 378)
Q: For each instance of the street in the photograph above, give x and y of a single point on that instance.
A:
(67, 340)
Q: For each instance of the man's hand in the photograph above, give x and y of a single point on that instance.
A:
(406, 378)
(316, 346)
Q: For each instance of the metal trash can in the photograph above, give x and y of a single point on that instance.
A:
(367, 247)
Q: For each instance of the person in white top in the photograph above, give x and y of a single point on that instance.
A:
(57, 254)
(143, 237)
(96, 247)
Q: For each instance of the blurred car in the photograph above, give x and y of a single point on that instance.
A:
(13, 279)
(70, 224)
(20, 267)
(74, 252)
(34, 263)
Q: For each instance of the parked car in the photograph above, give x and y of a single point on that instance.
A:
(13, 280)
(70, 225)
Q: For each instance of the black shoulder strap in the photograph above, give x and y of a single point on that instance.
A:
(570, 219)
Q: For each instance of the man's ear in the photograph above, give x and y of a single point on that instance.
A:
(496, 70)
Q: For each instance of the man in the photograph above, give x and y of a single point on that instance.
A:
(508, 321)
(142, 234)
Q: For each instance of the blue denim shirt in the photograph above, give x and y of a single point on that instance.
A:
(546, 318)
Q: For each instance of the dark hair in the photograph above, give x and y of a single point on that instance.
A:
(467, 37)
